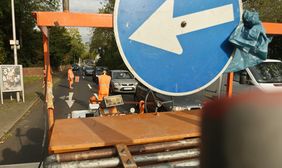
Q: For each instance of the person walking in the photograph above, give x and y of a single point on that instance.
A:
(70, 77)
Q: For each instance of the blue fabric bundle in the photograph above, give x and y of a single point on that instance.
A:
(250, 41)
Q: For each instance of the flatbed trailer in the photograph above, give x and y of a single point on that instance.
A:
(119, 141)
(86, 133)
(128, 140)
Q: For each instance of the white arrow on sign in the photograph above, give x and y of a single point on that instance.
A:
(160, 30)
(70, 102)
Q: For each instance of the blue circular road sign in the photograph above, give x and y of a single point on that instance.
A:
(176, 47)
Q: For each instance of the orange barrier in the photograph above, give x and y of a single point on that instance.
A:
(273, 28)
(73, 19)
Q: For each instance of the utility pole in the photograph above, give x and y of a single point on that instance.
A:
(14, 43)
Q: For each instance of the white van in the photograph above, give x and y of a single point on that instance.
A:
(266, 76)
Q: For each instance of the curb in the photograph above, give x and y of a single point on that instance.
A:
(35, 100)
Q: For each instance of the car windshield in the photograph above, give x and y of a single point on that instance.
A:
(99, 70)
(122, 75)
(268, 72)
(89, 68)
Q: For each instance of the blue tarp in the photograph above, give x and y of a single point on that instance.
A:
(250, 41)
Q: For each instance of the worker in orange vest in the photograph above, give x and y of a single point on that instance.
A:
(70, 77)
(104, 90)
(104, 85)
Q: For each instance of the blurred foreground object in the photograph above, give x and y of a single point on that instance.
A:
(243, 132)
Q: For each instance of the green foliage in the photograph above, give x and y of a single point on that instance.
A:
(104, 39)
(60, 45)
(78, 49)
(2, 49)
(65, 46)
(29, 37)
(269, 10)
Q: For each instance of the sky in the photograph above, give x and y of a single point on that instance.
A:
(86, 6)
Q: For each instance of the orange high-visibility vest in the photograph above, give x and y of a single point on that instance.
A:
(70, 75)
(104, 86)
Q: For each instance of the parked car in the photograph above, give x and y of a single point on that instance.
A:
(161, 103)
(88, 70)
(75, 67)
(98, 71)
(122, 82)
(266, 77)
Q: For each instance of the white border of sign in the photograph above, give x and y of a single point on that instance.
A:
(144, 82)
(7, 91)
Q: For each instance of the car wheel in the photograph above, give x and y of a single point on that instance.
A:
(111, 91)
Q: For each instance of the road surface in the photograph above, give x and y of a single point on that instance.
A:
(24, 143)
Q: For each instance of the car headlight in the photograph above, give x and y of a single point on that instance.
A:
(135, 84)
(116, 84)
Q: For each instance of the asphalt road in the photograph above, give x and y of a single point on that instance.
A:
(24, 144)
(25, 141)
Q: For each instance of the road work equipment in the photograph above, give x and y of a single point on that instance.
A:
(122, 132)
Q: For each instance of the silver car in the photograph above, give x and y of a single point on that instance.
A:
(123, 82)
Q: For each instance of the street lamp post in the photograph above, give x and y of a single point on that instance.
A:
(14, 42)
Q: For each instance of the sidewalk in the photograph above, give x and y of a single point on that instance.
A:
(12, 111)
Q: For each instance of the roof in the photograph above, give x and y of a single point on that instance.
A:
(272, 60)
(120, 71)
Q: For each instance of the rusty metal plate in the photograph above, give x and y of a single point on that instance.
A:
(86, 133)
(125, 156)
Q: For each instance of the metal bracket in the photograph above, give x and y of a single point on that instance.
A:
(125, 156)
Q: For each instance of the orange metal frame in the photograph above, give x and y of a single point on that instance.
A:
(73, 19)
(47, 19)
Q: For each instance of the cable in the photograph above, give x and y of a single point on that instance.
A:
(146, 101)
(158, 103)
(43, 145)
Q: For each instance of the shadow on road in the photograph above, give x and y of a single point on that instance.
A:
(82, 103)
(64, 86)
(40, 95)
(30, 148)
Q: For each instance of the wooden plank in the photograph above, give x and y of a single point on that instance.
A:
(73, 19)
(125, 156)
(77, 134)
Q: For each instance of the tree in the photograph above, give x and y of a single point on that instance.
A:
(2, 49)
(103, 43)
(29, 37)
(269, 10)
(60, 46)
(77, 47)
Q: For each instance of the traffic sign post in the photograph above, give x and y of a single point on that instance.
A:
(176, 47)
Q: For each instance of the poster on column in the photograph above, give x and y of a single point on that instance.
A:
(11, 78)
